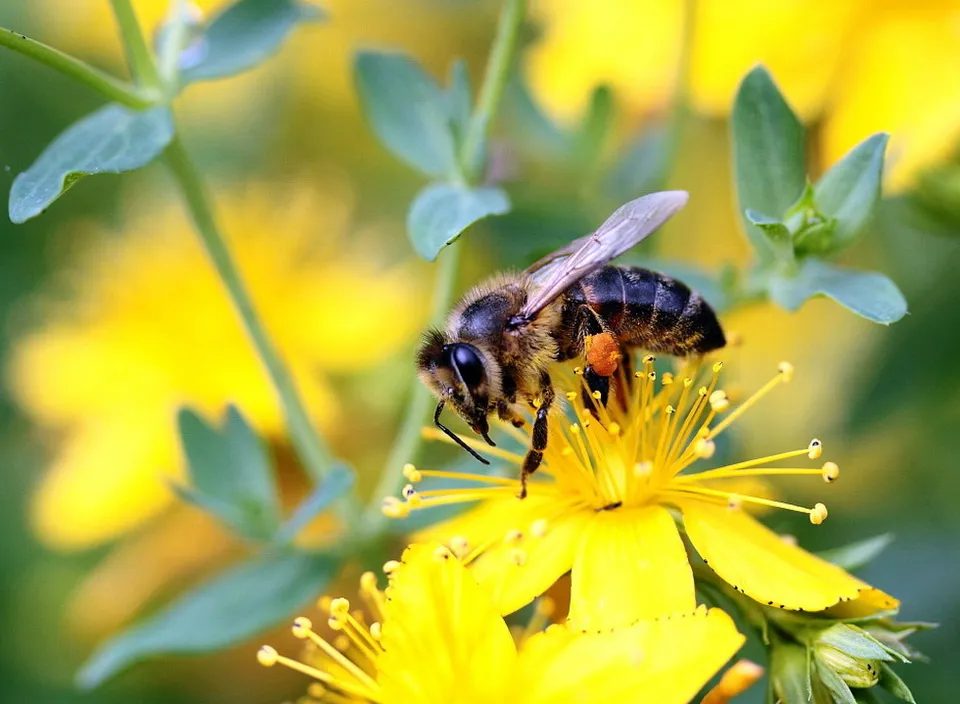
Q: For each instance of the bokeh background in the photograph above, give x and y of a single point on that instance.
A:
(111, 317)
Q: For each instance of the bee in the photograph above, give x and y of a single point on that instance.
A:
(500, 341)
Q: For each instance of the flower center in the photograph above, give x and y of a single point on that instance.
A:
(641, 448)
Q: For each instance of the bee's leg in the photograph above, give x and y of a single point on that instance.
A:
(589, 324)
(539, 436)
(596, 384)
(505, 412)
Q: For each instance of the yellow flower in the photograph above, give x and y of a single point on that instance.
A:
(609, 502)
(146, 326)
(439, 638)
(861, 67)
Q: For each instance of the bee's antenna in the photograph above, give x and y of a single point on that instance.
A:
(453, 436)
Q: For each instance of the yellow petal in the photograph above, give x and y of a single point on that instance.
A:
(543, 559)
(763, 566)
(631, 47)
(442, 634)
(107, 479)
(732, 36)
(630, 565)
(665, 661)
(901, 78)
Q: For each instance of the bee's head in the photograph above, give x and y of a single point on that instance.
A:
(458, 374)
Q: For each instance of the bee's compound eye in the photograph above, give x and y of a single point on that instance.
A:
(468, 363)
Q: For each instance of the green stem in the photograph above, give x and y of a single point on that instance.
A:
(139, 56)
(108, 86)
(405, 445)
(316, 458)
(175, 35)
(494, 81)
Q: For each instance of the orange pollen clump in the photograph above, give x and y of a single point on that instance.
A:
(603, 353)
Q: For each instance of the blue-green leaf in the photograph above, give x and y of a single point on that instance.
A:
(245, 34)
(866, 293)
(410, 113)
(859, 554)
(768, 150)
(833, 682)
(850, 190)
(891, 682)
(232, 607)
(112, 140)
(442, 211)
(231, 472)
(459, 100)
(334, 485)
(776, 233)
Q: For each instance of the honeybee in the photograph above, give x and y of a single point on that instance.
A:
(495, 353)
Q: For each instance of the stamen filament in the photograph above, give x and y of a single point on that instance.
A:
(484, 478)
(355, 689)
(746, 463)
(681, 491)
(757, 472)
(745, 406)
(343, 661)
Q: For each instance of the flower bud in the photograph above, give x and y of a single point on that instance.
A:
(856, 672)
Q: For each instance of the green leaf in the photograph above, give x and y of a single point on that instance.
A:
(790, 673)
(859, 554)
(112, 140)
(442, 211)
(459, 100)
(410, 113)
(854, 641)
(850, 190)
(340, 479)
(891, 682)
(643, 167)
(776, 233)
(589, 140)
(232, 607)
(833, 682)
(768, 151)
(868, 294)
(245, 34)
(231, 472)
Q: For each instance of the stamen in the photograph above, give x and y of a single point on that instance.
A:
(538, 528)
(819, 514)
(392, 507)
(726, 495)
(815, 449)
(411, 473)
(831, 472)
(784, 376)
(460, 546)
(483, 478)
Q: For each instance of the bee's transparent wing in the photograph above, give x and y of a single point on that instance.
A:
(629, 224)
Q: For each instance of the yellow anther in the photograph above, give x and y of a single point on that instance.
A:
(586, 422)
(376, 630)
(614, 429)
(818, 515)
(666, 379)
(538, 528)
(513, 535)
(391, 566)
(814, 449)
(460, 546)
(717, 366)
(831, 472)
(441, 553)
(572, 395)
(342, 643)
(267, 656)
(702, 391)
(719, 401)
(669, 410)
(368, 582)
(334, 624)
(596, 395)
(316, 690)
(704, 449)
(687, 382)
(302, 627)
(734, 502)
(575, 428)
(637, 375)
(518, 557)
(392, 507)
(408, 491)
(578, 370)
(339, 606)
(649, 359)
(546, 606)
(786, 369)
(652, 376)
(414, 500)
(643, 469)
(411, 473)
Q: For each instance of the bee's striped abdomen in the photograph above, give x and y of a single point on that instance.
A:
(649, 310)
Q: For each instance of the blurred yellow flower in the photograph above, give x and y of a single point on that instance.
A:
(606, 511)
(439, 638)
(146, 326)
(860, 67)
